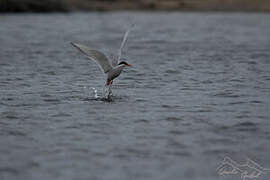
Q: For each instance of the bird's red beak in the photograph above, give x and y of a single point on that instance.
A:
(129, 65)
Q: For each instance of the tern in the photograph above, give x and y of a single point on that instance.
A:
(113, 67)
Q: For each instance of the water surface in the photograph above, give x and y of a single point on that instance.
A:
(199, 90)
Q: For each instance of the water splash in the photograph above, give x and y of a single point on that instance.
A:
(105, 95)
(91, 91)
(95, 93)
(107, 91)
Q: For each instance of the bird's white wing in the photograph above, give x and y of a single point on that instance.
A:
(123, 43)
(114, 60)
(95, 55)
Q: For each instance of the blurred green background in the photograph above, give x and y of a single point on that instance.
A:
(113, 5)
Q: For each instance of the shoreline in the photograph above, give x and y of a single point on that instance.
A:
(49, 6)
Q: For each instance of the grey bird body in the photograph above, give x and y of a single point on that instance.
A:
(115, 72)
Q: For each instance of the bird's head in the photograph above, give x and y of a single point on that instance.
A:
(124, 63)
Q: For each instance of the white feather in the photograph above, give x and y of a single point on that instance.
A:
(95, 55)
(124, 42)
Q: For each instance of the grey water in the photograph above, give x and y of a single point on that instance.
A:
(199, 90)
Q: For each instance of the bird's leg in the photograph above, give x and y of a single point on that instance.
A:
(109, 82)
(107, 89)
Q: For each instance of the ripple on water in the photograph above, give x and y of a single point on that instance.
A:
(178, 149)
(246, 126)
(174, 118)
(11, 116)
(9, 170)
(218, 151)
(177, 144)
(256, 102)
(239, 127)
(236, 103)
(52, 100)
(168, 106)
(141, 121)
(176, 132)
(50, 73)
(221, 141)
(61, 114)
(110, 99)
(140, 100)
(172, 71)
(15, 133)
(227, 94)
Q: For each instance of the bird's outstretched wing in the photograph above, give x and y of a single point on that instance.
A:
(95, 55)
(123, 43)
(114, 60)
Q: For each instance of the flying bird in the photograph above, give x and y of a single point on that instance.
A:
(112, 67)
